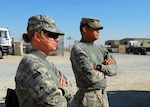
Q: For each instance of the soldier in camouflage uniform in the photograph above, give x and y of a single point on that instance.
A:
(38, 82)
(91, 64)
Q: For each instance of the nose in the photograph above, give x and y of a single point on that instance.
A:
(56, 40)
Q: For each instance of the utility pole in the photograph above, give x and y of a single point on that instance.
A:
(69, 38)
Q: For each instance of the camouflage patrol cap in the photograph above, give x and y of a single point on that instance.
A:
(42, 22)
(92, 22)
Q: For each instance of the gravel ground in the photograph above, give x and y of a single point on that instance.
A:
(129, 88)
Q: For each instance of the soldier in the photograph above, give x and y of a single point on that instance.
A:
(38, 82)
(91, 64)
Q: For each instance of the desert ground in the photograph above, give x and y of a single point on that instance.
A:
(129, 88)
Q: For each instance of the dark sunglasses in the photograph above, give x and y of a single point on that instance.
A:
(52, 35)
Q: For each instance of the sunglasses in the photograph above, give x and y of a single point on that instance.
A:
(52, 35)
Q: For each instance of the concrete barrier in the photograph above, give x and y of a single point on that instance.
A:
(18, 48)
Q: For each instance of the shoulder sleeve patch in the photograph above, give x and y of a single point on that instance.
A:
(34, 78)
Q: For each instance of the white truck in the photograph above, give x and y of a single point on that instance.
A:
(6, 43)
(136, 47)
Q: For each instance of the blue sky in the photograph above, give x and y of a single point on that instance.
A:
(120, 18)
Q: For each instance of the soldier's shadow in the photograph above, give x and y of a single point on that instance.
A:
(127, 98)
(2, 104)
(124, 98)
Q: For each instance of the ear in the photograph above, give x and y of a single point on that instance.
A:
(37, 36)
(84, 29)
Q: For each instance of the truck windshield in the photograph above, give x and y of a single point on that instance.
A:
(3, 34)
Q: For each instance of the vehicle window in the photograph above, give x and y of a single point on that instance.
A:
(3, 34)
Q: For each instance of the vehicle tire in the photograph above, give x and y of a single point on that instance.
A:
(136, 51)
(128, 51)
(1, 54)
(10, 51)
(143, 51)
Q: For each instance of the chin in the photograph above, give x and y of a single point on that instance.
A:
(95, 39)
(54, 49)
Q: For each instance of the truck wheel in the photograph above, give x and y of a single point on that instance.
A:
(10, 51)
(1, 54)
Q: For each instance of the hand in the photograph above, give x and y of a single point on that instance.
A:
(62, 82)
(109, 61)
(94, 67)
(60, 91)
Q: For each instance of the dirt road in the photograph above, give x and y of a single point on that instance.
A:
(129, 88)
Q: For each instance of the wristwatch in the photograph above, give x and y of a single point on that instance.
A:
(98, 67)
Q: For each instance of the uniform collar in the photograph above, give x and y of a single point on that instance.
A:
(38, 53)
(84, 41)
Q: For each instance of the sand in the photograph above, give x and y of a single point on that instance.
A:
(133, 77)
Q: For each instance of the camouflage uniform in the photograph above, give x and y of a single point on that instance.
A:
(91, 83)
(37, 82)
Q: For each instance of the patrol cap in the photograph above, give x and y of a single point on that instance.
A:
(92, 22)
(42, 22)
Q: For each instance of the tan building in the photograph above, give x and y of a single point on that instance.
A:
(112, 45)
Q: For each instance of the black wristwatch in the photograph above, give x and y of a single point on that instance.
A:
(98, 67)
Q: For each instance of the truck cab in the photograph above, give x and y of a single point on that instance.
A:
(135, 47)
(6, 45)
(133, 44)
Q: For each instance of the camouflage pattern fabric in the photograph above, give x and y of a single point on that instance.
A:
(40, 22)
(37, 81)
(96, 98)
(83, 57)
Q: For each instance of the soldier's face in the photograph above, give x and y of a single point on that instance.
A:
(92, 34)
(49, 43)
